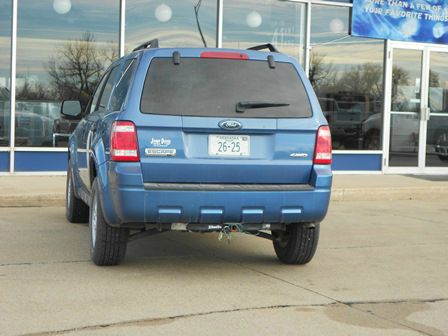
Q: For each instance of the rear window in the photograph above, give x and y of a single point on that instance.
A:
(214, 87)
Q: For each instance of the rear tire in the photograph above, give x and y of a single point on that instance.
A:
(107, 244)
(297, 244)
(76, 211)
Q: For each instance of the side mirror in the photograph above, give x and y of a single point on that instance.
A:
(71, 109)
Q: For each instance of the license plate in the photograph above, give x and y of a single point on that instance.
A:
(228, 145)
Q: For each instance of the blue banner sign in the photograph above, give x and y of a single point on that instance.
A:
(412, 20)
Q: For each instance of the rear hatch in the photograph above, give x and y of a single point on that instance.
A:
(225, 121)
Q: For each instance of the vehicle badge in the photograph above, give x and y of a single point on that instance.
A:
(160, 151)
(230, 124)
(298, 155)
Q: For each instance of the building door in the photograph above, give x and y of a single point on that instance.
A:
(416, 118)
(436, 149)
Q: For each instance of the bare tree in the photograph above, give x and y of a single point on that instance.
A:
(434, 79)
(322, 74)
(400, 77)
(33, 91)
(197, 8)
(109, 53)
(77, 67)
(366, 78)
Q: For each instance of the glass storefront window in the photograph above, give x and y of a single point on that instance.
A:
(190, 23)
(5, 70)
(347, 75)
(63, 48)
(252, 22)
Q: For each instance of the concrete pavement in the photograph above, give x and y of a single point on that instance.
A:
(50, 190)
(380, 269)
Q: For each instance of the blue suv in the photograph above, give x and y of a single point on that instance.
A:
(200, 140)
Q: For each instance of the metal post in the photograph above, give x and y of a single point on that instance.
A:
(122, 27)
(220, 11)
(12, 130)
(387, 84)
(307, 60)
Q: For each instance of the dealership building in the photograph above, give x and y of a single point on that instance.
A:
(379, 69)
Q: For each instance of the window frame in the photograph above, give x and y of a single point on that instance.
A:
(129, 64)
(113, 75)
(99, 89)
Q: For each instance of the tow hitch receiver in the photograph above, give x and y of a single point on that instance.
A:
(224, 230)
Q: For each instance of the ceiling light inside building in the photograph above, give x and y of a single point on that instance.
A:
(163, 13)
(337, 26)
(254, 20)
(62, 6)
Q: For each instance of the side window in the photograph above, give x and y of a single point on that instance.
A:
(98, 91)
(105, 95)
(122, 87)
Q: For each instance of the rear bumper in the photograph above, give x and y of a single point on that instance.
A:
(127, 201)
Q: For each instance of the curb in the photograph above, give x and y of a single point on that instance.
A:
(338, 195)
(389, 194)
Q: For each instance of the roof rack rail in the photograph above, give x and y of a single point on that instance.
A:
(268, 46)
(151, 44)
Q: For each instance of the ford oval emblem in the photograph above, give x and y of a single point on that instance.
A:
(230, 124)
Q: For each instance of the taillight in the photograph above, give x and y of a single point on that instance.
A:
(322, 151)
(123, 142)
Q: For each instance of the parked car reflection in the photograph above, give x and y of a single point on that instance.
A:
(70, 116)
(4, 113)
(346, 113)
(34, 123)
(405, 139)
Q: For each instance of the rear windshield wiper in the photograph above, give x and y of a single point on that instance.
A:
(244, 105)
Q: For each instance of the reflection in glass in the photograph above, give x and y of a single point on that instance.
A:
(60, 58)
(5, 70)
(190, 23)
(252, 22)
(404, 134)
(438, 83)
(405, 108)
(406, 81)
(437, 142)
(437, 130)
(347, 75)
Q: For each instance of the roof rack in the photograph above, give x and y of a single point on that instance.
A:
(151, 44)
(268, 46)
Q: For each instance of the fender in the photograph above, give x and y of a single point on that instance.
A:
(98, 147)
(97, 158)
(109, 202)
(98, 163)
(72, 165)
